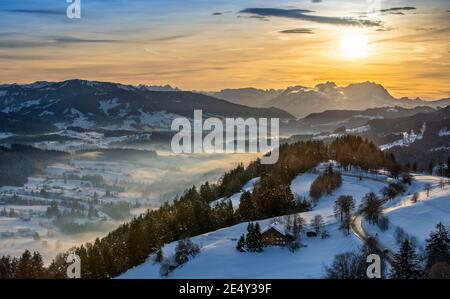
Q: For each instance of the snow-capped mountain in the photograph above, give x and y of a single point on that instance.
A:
(92, 104)
(248, 96)
(301, 100)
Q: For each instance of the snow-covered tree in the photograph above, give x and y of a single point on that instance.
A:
(184, 250)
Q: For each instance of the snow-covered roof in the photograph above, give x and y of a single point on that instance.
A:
(278, 227)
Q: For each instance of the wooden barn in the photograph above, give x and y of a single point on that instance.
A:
(276, 234)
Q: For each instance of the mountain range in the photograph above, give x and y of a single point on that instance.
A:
(103, 105)
(50, 106)
(301, 100)
(338, 120)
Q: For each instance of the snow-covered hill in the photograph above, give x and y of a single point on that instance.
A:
(220, 259)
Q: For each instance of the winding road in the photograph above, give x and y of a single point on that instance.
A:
(358, 230)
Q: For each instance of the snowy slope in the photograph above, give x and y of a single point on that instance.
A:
(236, 198)
(220, 259)
(416, 219)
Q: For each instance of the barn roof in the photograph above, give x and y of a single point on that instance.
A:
(278, 227)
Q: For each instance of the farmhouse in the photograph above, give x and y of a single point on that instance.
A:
(276, 234)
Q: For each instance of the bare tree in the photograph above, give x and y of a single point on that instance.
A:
(343, 207)
(371, 207)
(415, 197)
(427, 188)
(317, 223)
(442, 184)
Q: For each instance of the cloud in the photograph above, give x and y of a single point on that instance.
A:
(385, 29)
(76, 40)
(397, 9)
(36, 11)
(299, 30)
(50, 41)
(15, 44)
(21, 57)
(169, 38)
(261, 18)
(393, 10)
(219, 13)
(301, 14)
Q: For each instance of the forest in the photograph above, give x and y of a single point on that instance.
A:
(19, 162)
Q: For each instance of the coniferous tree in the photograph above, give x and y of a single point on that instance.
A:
(406, 264)
(253, 238)
(273, 199)
(58, 267)
(431, 168)
(159, 256)
(207, 192)
(258, 239)
(448, 167)
(37, 265)
(250, 237)
(437, 248)
(25, 266)
(247, 208)
(223, 214)
(241, 244)
(7, 270)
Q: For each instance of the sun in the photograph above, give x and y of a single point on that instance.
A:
(354, 45)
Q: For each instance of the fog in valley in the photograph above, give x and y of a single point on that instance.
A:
(91, 192)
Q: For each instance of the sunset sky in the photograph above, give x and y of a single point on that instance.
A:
(215, 44)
